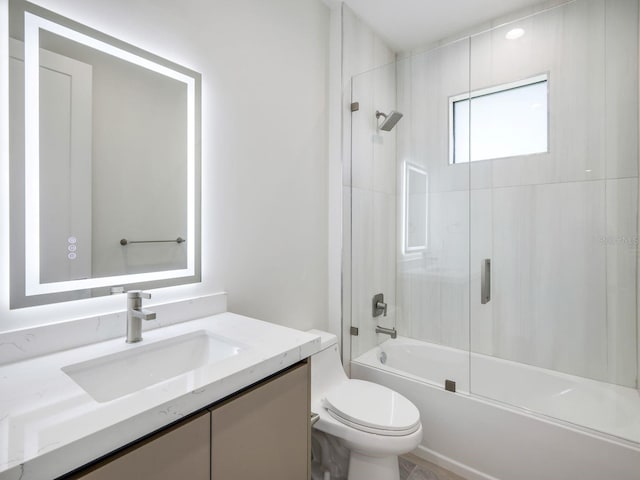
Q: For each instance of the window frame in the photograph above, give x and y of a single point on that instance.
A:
(505, 87)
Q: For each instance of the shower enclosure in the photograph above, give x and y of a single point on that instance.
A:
(499, 216)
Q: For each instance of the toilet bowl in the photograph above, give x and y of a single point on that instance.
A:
(375, 423)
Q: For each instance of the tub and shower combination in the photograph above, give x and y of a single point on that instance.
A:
(498, 217)
(478, 437)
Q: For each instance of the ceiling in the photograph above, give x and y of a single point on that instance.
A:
(408, 24)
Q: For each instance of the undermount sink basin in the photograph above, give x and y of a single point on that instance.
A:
(112, 376)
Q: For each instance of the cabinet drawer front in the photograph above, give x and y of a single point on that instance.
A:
(181, 452)
(264, 433)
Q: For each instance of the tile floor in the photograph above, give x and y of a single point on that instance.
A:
(415, 468)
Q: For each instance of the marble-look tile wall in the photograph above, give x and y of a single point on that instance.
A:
(433, 285)
(560, 227)
(369, 182)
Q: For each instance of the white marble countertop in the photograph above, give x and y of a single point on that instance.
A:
(50, 426)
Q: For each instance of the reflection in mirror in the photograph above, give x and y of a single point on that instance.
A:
(104, 137)
(415, 209)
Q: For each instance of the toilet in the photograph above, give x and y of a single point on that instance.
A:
(375, 423)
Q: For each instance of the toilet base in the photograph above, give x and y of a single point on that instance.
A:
(364, 467)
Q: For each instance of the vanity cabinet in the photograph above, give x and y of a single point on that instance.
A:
(264, 432)
(260, 432)
(180, 451)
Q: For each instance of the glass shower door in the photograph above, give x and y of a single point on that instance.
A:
(373, 210)
(433, 220)
(410, 219)
(553, 140)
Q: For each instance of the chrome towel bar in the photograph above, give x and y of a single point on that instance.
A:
(178, 240)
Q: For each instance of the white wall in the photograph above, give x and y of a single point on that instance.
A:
(141, 198)
(264, 99)
(270, 177)
(560, 227)
(334, 180)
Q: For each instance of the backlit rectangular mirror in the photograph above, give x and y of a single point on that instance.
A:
(416, 208)
(104, 160)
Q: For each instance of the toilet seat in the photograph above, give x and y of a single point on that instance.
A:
(372, 408)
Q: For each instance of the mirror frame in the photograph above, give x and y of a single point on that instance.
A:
(35, 19)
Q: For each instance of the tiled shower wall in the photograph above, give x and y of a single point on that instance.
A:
(433, 286)
(371, 172)
(560, 227)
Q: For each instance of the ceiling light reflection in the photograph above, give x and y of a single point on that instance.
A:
(514, 34)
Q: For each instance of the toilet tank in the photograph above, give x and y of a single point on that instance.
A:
(326, 367)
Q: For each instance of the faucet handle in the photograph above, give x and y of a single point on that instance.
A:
(379, 307)
(138, 294)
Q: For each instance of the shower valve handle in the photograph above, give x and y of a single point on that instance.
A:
(379, 307)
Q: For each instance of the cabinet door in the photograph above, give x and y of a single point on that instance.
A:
(264, 432)
(180, 452)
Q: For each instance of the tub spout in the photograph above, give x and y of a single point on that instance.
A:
(387, 331)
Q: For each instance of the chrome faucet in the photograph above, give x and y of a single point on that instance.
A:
(135, 315)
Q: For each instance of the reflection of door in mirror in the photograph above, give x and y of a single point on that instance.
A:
(65, 147)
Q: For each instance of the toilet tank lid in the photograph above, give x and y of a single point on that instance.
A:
(326, 339)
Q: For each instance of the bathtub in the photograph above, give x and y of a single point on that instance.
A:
(480, 438)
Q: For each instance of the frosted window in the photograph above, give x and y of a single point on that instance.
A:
(505, 121)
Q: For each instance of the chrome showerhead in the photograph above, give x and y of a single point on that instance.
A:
(390, 120)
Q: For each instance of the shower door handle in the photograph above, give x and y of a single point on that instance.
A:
(485, 281)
